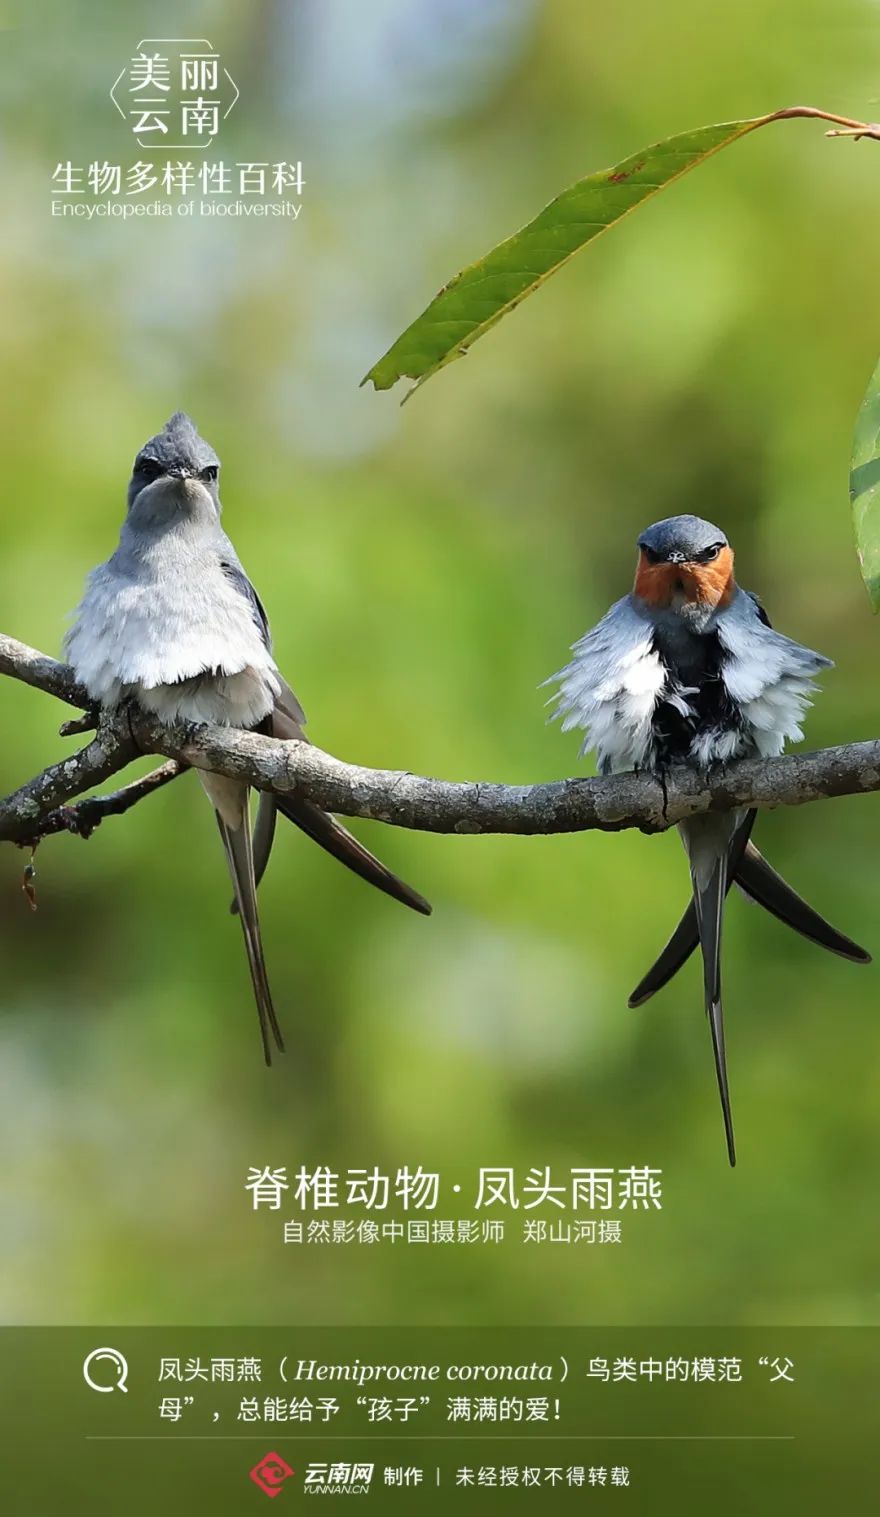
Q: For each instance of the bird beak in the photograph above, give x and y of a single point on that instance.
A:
(176, 473)
(675, 557)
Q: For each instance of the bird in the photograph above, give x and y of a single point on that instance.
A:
(172, 622)
(687, 669)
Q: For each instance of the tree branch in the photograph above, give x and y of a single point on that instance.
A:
(24, 663)
(85, 816)
(23, 812)
(407, 800)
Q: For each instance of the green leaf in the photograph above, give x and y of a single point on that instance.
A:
(864, 488)
(477, 298)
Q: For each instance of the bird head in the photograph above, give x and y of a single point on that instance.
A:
(683, 561)
(175, 474)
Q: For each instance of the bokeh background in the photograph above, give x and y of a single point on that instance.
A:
(425, 570)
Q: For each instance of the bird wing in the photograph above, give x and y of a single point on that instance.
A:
(686, 936)
(285, 702)
(611, 687)
(330, 834)
(759, 881)
(287, 722)
(768, 676)
(234, 572)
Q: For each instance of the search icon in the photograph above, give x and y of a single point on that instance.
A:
(119, 1370)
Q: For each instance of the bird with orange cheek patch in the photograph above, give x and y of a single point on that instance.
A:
(687, 669)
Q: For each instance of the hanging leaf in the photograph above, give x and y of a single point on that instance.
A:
(864, 488)
(471, 303)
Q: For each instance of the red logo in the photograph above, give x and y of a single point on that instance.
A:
(271, 1473)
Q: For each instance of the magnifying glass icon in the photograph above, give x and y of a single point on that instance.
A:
(110, 1366)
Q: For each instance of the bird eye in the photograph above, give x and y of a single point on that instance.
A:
(711, 552)
(149, 468)
(209, 474)
(651, 556)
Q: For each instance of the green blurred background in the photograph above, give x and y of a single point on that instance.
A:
(425, 569)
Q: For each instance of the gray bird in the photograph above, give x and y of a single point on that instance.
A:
(686, 669)
(173, 622)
